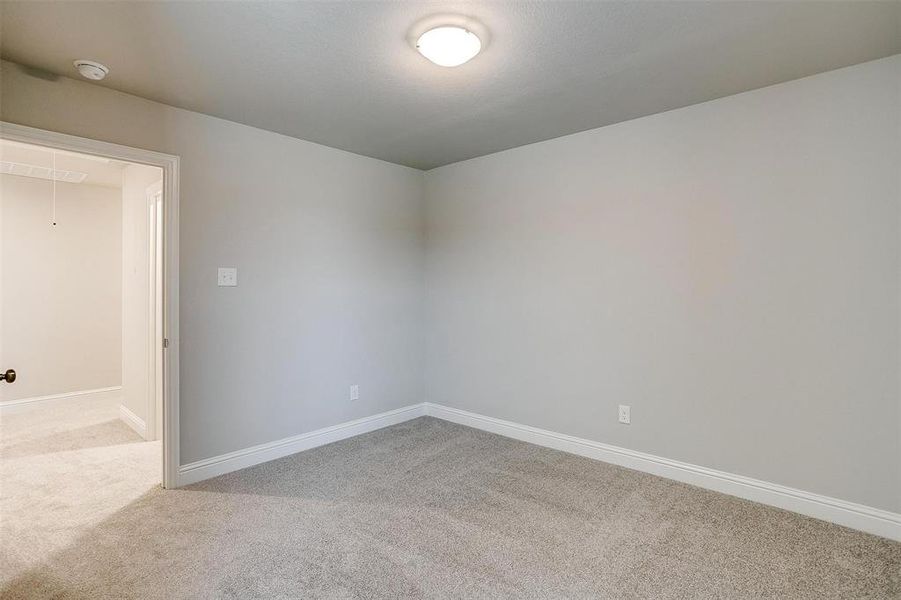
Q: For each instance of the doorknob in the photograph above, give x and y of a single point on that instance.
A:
(9, 376)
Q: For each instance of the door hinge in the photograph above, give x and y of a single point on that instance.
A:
(165, 342)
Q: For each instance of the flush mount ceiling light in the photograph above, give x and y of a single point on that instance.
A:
(449, 45)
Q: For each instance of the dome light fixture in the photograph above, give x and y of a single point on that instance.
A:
(449, 45)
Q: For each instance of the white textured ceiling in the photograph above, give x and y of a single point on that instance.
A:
(344, 74)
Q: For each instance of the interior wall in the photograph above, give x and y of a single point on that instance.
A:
(329, 252)
(137, 308)
(730, 270)
(60, 305)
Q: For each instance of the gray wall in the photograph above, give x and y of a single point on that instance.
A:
(329, 252)
(730, 270)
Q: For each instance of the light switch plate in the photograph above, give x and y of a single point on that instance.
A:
(228, 276)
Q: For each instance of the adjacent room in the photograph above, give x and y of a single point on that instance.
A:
(80, 411)
(508, 299)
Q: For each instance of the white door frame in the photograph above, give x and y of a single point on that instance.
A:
(153, 424)
(169, 164)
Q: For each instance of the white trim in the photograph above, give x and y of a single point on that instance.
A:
(849, 514)
(23, 404)
(153, 195)
(171, 427)
(248, 457)
(856, 516)
(170, 166)
(133, 421)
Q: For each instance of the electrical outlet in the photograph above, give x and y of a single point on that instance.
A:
(354, 392)
(228, 277)
(625, 414)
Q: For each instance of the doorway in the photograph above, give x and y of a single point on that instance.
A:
(88, 333)
(167, 255)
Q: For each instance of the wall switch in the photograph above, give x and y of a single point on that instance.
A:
(625, 414)
(354, 392)
(228, 276)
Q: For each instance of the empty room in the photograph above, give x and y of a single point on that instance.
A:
(423, 299)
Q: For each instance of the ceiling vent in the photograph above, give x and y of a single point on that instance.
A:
(39, 172)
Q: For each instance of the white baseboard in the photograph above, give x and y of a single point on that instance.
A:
(241, 459)
(110, 394)
(133, 421)
(856, 516)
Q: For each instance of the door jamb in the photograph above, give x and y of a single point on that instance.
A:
(155, 352)
(170, 165)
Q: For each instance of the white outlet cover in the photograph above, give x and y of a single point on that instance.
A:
(355, 392)
(625, 414)
(228, 276)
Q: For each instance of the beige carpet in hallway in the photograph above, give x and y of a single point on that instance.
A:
(63, 471)
(429, 509)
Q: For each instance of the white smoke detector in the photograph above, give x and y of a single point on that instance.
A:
(91, 69)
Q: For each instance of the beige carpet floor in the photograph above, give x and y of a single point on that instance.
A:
(425, 509)
(63, 471)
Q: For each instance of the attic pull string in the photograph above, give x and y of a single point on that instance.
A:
(53, 197)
